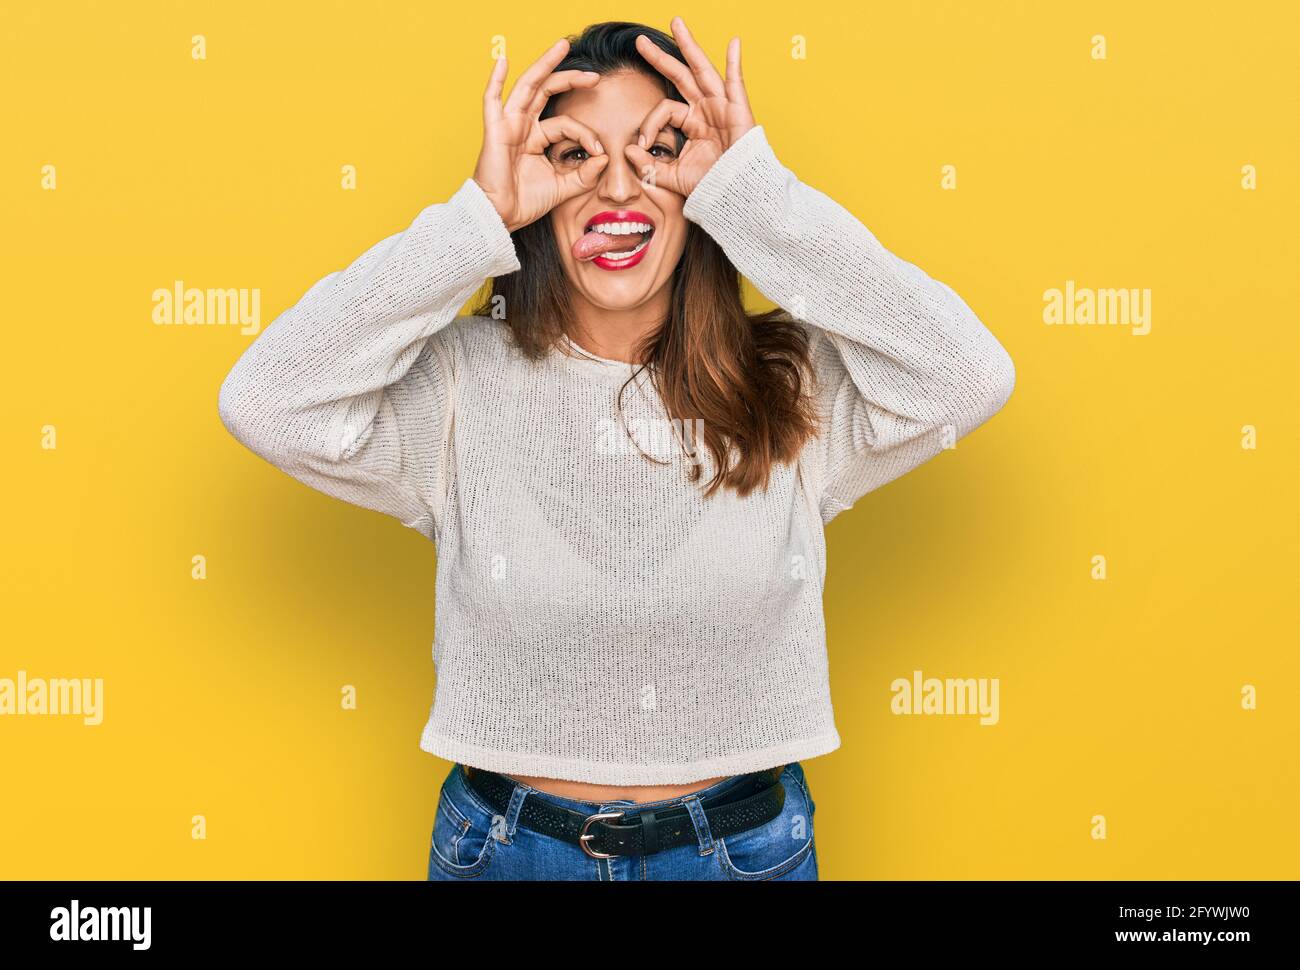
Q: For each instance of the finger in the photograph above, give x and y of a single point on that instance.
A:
(705, 73)
(670, 67)
(658, 171)
(553, 84)
(583, 178)
(492, 96)
(736, 92)
(560, 127)
(666, 112)
(529, 81)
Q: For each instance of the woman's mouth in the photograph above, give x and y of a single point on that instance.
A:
(615, 240)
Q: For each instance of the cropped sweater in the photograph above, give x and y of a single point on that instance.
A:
(596, 618)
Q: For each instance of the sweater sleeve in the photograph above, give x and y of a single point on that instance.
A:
(903, 367)
(350, 390)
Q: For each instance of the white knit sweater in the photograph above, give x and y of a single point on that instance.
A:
(596, 618)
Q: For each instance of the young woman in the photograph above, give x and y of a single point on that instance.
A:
(626, 474)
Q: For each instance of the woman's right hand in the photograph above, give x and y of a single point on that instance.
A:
(513, 168)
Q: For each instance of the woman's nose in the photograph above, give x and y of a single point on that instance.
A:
(620, 180)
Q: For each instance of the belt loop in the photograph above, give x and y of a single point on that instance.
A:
(649, 832)
(702, 832)
(511, 820)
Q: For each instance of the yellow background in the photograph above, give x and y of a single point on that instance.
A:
(1118, 698)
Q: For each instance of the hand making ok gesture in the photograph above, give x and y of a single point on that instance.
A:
(513, 170)
(716, 113)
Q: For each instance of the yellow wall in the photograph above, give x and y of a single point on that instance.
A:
(1118, 697)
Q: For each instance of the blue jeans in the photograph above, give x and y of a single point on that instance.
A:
(470, 841)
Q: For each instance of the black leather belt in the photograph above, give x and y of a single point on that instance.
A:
(756, 799)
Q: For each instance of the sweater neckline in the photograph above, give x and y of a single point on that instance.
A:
(578, 354)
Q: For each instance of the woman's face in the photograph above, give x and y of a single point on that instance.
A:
(613, 110)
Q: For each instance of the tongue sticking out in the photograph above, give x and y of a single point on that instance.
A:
(595, 244)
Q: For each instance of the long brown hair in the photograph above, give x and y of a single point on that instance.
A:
(741, 378)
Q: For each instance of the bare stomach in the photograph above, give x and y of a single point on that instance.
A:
(585, 792)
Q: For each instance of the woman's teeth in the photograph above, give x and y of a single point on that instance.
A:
(620, 228)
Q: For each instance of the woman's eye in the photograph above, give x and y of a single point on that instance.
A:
(576, 156)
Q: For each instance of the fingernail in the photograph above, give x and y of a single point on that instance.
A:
(600, 148)
(640, 140)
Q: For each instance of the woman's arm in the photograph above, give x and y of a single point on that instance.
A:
(345, 390)
(904, 366)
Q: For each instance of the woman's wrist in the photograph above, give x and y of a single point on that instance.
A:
(504, 216)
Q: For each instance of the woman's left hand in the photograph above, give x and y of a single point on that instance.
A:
(715, 115)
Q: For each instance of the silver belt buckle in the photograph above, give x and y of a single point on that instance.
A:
(584, 836)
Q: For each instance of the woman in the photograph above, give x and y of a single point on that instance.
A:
(626, 475)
